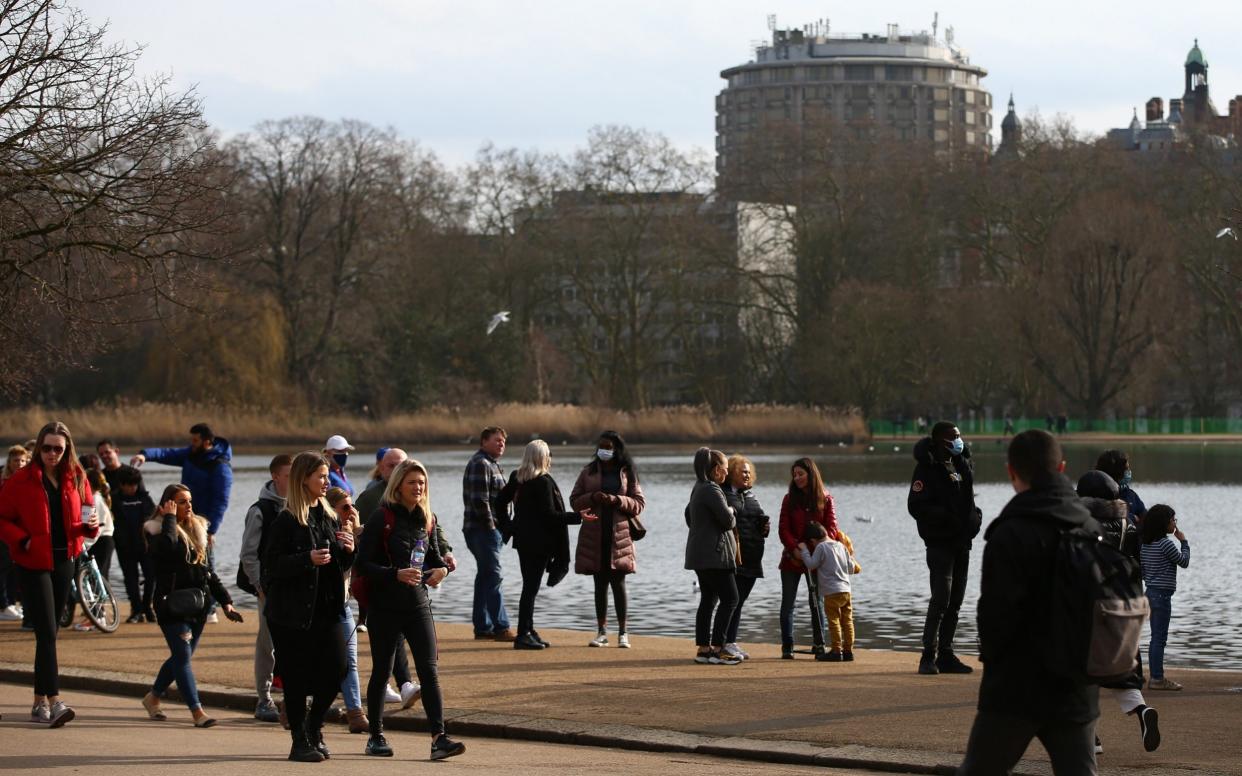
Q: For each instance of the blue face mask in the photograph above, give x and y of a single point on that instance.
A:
(604, 455)
(1126, 479)
(340, 459)
(956, 446)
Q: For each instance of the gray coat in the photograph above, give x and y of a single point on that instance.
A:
(710, 543)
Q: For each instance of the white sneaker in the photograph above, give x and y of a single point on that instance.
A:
(599, 641)
(213, 618)
(10, 613)
(623, 642)
(391, 695)
(410, 693)
(732, 650)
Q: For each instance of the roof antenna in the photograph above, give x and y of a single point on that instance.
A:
(935, 25)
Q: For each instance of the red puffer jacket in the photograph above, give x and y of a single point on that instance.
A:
(792, 530)
(24, 514)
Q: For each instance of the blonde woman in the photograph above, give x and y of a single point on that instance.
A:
(177, 541)
(303, 574)
(399, 559)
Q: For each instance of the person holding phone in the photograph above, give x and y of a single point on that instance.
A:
(184, 586)
(45, 514)
(303, 575)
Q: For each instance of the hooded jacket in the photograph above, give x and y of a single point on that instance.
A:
(710, 543)
(208, 475)
(251, 559)
(942, 497)
(26, 522)
(1015, 607)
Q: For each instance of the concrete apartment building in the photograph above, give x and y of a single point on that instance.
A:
(907, 86)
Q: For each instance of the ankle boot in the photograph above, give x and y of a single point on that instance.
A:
(314, 737)
(302, 751)
(927, 664)
(358, 722)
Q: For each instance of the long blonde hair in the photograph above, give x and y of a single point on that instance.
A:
(536, 460)
(392, 492)
(298, 502)
(195, 538)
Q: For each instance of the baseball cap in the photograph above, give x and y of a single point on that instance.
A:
(337, 442)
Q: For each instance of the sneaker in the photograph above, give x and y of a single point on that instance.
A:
(723, 658)
(527, 641)
(377, 746)
(847, 657)
(83, 626)
(41, 713)
(391, 695)
(735, 649)
(135, 618)
(832, 656)
(787, 652)
(444, 747)
(410, 693)
(949, 664)
(623, 641)
(703, 658)
(60, 714)
(817, 649)
(10, 613)
(1149, 726)
(362, 628)
(927, 666)
(540, 639)
(1099, 747)
(266, 711)
(1163, 684)
(212, 618)
(731, 651)
(599, 641)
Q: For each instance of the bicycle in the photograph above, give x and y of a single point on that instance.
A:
(89, 587)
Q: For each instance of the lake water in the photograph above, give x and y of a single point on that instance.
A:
(1202, 482)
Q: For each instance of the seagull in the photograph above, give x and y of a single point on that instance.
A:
(1227, 231)
(497, 319)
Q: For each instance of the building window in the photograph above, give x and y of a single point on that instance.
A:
(782, 75)
(859, 73)
(898, 73)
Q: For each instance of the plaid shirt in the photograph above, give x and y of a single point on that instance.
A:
(480, 487)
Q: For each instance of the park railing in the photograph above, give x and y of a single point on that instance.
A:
(1171, 426)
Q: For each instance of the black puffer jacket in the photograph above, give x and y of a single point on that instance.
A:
(942, 497)
(752, 528)
(380, 560)
(1103, 497)
(290, 581)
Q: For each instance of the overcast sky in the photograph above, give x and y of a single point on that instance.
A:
(540, 73)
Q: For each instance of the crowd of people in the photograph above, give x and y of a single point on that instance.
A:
(312, 546)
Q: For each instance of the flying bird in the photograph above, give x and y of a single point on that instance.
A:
(1228, 230)
(497, 319)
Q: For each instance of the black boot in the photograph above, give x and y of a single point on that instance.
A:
(927, 664)
(315, 739)
(787, 650)
(302, 751)
(948, 663)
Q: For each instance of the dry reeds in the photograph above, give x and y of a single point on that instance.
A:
(156, 423)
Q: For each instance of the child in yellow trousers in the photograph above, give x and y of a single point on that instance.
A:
(832, 560)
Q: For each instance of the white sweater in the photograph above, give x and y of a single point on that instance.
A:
(832, 565)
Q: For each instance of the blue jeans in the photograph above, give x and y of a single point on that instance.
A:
(489, 613)
(182, 638)
(351, 691)
(1161, 612)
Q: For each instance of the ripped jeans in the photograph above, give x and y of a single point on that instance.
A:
(182, 638)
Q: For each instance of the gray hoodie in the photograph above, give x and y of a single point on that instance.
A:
(253, 533)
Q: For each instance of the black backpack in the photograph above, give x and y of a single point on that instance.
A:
(1098, 609)
(269, 512)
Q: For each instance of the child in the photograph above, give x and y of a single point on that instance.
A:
(833, 563)
(131, 508)
(1160, 557)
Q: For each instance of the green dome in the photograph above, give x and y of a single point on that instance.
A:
(1195, 57)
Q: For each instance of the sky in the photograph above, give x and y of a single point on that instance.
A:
(538, 74)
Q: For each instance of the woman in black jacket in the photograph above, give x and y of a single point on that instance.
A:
(398, 560)
(753, 526)
(304, 564)
(177, 543)
(540, 533)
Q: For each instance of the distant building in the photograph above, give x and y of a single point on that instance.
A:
(1011, 133)
(904, 86)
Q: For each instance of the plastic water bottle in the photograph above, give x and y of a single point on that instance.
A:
(418, 554)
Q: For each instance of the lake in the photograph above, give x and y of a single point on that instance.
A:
(1202, 482)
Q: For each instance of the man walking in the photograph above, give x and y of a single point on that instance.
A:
(1020, 698)
(481, 486)
(942, 502)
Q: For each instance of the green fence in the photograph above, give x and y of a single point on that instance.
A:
(1179, 425)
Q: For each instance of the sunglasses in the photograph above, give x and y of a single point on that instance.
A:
(53, 449)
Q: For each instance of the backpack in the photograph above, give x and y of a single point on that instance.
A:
(1098, 609)
(269, 512)
(360, 584)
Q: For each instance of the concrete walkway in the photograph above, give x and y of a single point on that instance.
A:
(873, 713)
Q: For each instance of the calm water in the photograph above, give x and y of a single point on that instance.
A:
(1204, 484)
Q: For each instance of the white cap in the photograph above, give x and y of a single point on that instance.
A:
(337, 442)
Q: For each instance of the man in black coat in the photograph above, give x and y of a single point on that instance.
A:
(1020, 698)
(942, 501)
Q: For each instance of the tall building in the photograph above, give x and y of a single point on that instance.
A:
(906, 86)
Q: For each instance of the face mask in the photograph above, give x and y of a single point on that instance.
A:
(340, 459)
(1126, 479)
(957, 446)
(604, 455)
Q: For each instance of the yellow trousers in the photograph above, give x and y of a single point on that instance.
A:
(839, 611)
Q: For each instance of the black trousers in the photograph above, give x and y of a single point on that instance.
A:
(744, 586)
(138, 590)
(947, 569)
(997, 742)
(385, 627)
(718, 594)
(533, 564)
(43, 599)
(312, 663)
(102, 551)
(620, 598)
(789, 593)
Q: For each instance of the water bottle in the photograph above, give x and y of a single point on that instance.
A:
(418, 554)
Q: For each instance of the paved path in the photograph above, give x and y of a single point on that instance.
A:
(876, 710)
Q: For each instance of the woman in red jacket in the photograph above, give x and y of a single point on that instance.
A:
(807, 501)
(45, 511)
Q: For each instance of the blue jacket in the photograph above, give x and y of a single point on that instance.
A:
(338, 479)
(209, 476)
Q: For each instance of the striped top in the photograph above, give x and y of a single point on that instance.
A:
(1160, 560)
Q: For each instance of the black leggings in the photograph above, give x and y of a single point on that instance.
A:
(534, 564)
(102, 551)
(385, 628)
(43, 599)
(717, 592)
(620, 600)
(135, 560)
(744, 586)
(310, 662)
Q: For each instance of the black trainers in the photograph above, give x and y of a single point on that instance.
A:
(1149, 726)
(949, 664)
(377, 746)
(135, 618)
(927, 665)
(847, 657)
(541, 639)
(527, 641)
(444, 747)
(829, 657)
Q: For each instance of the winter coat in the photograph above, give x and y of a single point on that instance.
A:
(252, 545)
(540, 522)
(792, 528)
(710, 543)
(379, 561)
(623, 558)
(175, 571)
(942, 497)
(1015, 610)
(1113, 517)
(753, 527)
(337, 478)
(289, 580)
(129, 513)
(208, 475)
(25, 519)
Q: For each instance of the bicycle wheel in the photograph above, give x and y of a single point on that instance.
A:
(97, 600)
